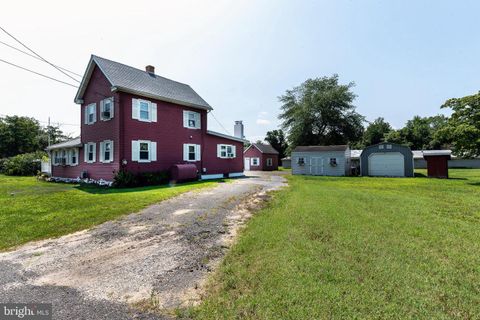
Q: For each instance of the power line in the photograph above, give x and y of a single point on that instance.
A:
(31, 55)
(39, 55)
(221, 125)
(37, 73)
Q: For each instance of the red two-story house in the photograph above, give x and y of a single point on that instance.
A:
(141, 122)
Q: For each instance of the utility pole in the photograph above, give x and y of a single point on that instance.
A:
(48, 131)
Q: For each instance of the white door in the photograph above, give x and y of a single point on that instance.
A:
(390, 164)
(316, 166)
(247, 164)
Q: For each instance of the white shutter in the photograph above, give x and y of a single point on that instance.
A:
(94, 152)
(197, 152)
(153, 117)
(153, 151)
(102, 151)
(112, 108)
(85, 152)
(86, 115)
(111, 150)
(234, 151)
(185, 118)
(94, 112)
(135, 110)
(219, 150)
(185, 152)
(102, 103)
(198, 121)
(135, 150)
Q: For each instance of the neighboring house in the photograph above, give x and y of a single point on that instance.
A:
(260, 157)
(386, 159)
(321, 160)
(141, 122)
(287, 163)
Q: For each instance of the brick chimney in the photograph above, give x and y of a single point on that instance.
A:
(150, 69)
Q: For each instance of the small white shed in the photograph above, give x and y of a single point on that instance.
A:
(321, 160)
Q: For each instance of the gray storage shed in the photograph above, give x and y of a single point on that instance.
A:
(321, 160)
(386, 160)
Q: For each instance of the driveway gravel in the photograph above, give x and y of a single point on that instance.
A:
(158, 257)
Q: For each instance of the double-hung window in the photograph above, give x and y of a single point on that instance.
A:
(255, 161)
(226, 151)
(90, 151)
(144, 151)
(144, 110)
(191, 152)
(73, 156)
(191, 119)
(106, 109)
(91, 113)
(269, 162)
(106, 151)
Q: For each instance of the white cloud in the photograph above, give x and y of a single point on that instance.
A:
(263, 122)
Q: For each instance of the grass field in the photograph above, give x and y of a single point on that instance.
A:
(32, 210)
(356, 248)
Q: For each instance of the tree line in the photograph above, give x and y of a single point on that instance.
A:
(321, 112)
(20, 135)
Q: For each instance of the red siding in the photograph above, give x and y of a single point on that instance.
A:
(215, 165)
(437, 166)
(253, 152)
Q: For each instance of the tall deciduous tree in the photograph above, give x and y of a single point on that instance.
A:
(276, 138)
(321, 112)
(376, 131)
(464, 125)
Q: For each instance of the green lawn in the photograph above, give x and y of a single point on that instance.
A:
(356, 248)
(32, 210)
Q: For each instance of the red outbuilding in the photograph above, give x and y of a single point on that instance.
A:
(138, 121)
(260, 157)
(437, 163)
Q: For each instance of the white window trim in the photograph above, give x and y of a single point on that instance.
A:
(219, 151)
(152, 151)
(102, 107)
(87, 113)
(252, 160)
(149, 151)
(186, 119)
(186, 152)
(152, 110)
(102, 151)
(269, 162)
(70, 163)
(87, 149)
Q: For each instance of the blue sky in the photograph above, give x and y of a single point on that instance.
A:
(406, 57)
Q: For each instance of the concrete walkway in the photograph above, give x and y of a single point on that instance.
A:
(157, 257)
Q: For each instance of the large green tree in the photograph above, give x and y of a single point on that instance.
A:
(276, 138)
(376, 131)
(463, 127)
(321, 112)
(20, 135)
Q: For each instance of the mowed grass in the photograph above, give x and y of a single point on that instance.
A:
(356, 248)
(32, 210)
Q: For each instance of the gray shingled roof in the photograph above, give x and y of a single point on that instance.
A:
(320, 148)
(136, 81)
(265, 148)
(66, 144)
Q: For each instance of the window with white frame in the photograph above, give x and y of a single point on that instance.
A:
(90, 152)
(106, 151)
(226, 151)
(301, 161)
(91, 113)
(144, 110)
(106, 109)
(255, 161)
(144, 150)
(269, 162)
(73, 157)
(191, 119)
(191, 152)
(56, 158)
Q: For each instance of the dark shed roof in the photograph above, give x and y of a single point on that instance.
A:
(263, 148)
(320, 148)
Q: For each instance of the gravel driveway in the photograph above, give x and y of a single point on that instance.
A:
(159, 256)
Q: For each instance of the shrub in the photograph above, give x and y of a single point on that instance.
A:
(27, 164)
(126, 179)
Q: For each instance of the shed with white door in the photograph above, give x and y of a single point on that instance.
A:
(387, 160)
(321, 160)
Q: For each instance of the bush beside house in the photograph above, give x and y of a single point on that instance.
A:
(27, 164)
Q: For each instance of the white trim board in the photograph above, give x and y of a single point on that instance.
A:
(236, 174)
(211, 176)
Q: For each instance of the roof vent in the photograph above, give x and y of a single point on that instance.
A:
(150, 69)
